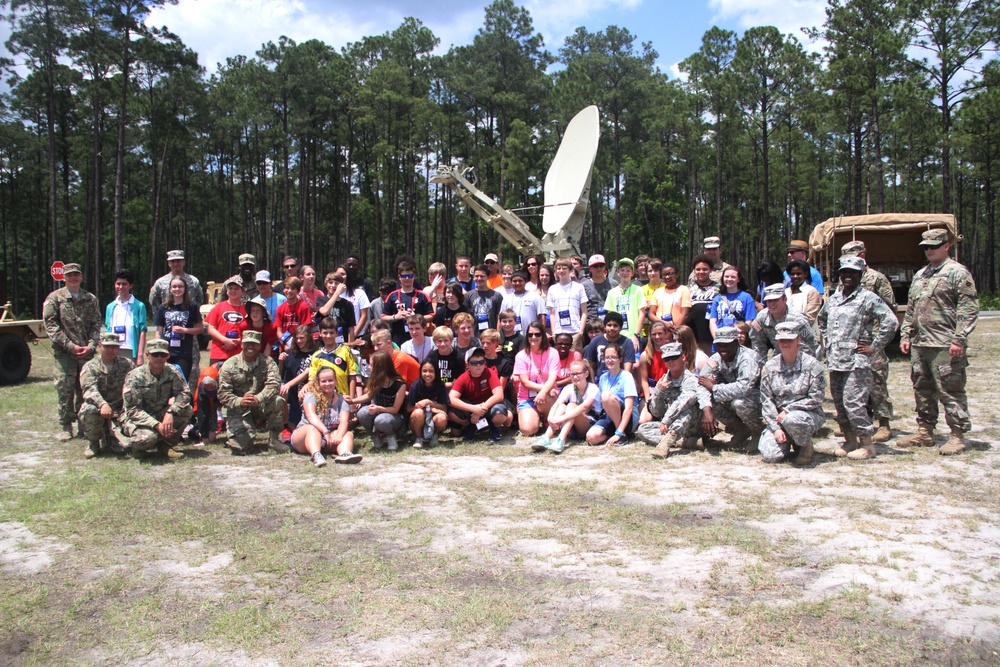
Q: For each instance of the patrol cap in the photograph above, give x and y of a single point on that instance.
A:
(671, 350)
(263, 277)
(110, 338)
(235, 280)
(852, 263)
(157, 346)
(596, 259)
(932, 238)
(796, 244)
(251, 336)
(174, 254)
(259, 301)
(247, 258)
(786, 331)
(72, 267)
(726, 335)
(625, 261)
(711, 242)
(853, 248)
(775, 291)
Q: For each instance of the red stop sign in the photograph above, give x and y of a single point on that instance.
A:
(57, 270)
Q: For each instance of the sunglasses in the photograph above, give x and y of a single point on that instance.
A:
(406, 276)
(159, 354)
(480, 362)
(532, 264)
(490, 261)
(533, 334)
(291, 266)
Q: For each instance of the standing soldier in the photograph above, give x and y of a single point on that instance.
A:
(846, 321)
(102, 381)
(940, 316)
(248, 390)
(879, 401)
(712, 246)
(732, 377)
(72, 320)
(160, 292)
(248, 272)
(157, 404)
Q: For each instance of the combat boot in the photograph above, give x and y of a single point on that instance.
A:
(667, 442)
(924, 437)
(92, 449)
(850, 443)
(865, 451)
(753, 447)
(804, 457)
(955, 444)
(277, 445)
(170, 452)
(884, 432)
(838, 432)
(66, 434)
(741, 435)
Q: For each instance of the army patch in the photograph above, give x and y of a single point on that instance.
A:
(711, 363)
(755, 324)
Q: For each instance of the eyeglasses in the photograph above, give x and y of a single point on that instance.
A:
(578, 374)
(607, 358)
(159, 354)
(598, 266)
(406, 276)
(291, 266)
(669, 273)
(479, 362)
(533, 334)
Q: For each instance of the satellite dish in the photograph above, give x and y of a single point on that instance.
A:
(567, 183)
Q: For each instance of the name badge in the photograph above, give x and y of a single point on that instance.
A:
(481, 424)
(120, 330)
(564, 318)
(517, 327)
(601, 311)
(483, 321)
(624, 321)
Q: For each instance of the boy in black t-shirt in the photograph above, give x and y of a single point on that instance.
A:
(448, 362)
(511, 342)
(594, 352)
(404, 302)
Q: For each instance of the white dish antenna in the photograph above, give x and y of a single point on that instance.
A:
(567, 183)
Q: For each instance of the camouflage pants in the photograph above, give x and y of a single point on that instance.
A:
(937, 377)
(93, 424)
(800, 427)
(687, 425)
(739, 409)
(67, 381)
(241, 423)
(147, 439)
(850, 390)
(879, 401)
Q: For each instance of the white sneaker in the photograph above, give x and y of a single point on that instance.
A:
(391, 440)
(418, 443)
(377, 441)
(318, 459)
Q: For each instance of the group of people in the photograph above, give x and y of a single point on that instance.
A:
(561, 353)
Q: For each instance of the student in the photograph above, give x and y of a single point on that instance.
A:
(651, 364)
(428, 406)
(567, 301)
(179, 321)
(377, 306)
(295, 311)
(612, 336)
(406, 366)
(463, 273)
(333, 304)
(126, 317)
(499, 363)
(537, 369)
(511, 341)
(649, 288)
(628, 300)
(448, 364)
(483, 303)
(672, 300)
(384, 394)
(334, 355)
(270, 297)
(573, 412)
(464, 340)
(593, 329)
(527, 306)
(733, 304)
(437, 280)
(419, 346)
(476, 399)
(324, 425)
(452, 306)
(258, 320)
(223, 323)
(404, 302)
(619, 399)
(567, 355)
(294, 368)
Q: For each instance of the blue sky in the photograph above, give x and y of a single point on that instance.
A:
(217, 29)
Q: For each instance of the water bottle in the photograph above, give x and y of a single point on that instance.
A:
(282, 343)
(428, 423)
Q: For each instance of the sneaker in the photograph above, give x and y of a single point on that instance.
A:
(557, 445)
(348, 458)
(286, 435)
(541, 444)
(318, 459)
(434, 440)
(469, 432)
(391, 440)
(418, 443)
(377, 441)
(495, 434)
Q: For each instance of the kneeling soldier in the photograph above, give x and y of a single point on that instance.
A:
(157, 404)
(675, 402)
(248, 390)
(102, 380)
(732, 376)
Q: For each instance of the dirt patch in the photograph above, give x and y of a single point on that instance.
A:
(23, 552)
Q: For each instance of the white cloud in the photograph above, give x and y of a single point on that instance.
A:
(789, 16)
(558, 20)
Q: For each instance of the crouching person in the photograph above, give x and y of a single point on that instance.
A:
(101, 381)
(249, 386)
(791, 395)
(384, 394)
(477, 397)
(676, 404)
(732, 377)
(157, 403)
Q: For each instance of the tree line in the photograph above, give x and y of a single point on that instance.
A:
(117, 145)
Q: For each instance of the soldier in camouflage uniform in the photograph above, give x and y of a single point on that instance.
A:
(762, 328)
(847, 321)
(102, 381)
(940, 316)
(248, 391)
(248, 272)
(160, 292)
(157, 404)
(879, 401)
(676, 401)
(732, 377)
(72, 319)
(712, 246)
(791, 396)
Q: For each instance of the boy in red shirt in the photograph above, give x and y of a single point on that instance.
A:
(477, 398)
(294, 312)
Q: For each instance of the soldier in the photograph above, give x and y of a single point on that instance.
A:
(732, 377)
(847, 320)
(676, 403)
(941, 314)
(712, 246)
(157, 404)
(763, 327)
(102, 380)
(248, 391)
(160, 292)
(248, 273)
(791, 396)
(72, 320)
(879, 401)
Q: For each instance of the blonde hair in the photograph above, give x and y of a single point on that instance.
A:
(322, 404)
(381, 336)
(460, 319)
(685, 336)
(442, 333)
(437, 268)
(489, 336)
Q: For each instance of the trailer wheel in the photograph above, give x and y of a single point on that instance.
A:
(15, 359)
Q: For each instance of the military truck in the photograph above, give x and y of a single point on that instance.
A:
(214, 293)
(15, 355)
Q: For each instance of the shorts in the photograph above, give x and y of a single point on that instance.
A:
(501, 408)
(528, 403)
(609, 427)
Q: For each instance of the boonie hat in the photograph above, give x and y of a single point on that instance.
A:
(251, 336)
(726, 335)
(625, 261)
(174, 254)
(247, 258)
(932, 238)
(596, 259)
(263, 277)
(671, 350)
(775, 291)
(852, 263)
(72, 267)
(711, 242)
(853, 248)
(259, 301)
(786, 331)
(157, 346)
(110, 338)
(796, 244)
(235, 280)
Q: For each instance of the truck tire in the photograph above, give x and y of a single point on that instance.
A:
(15, 359)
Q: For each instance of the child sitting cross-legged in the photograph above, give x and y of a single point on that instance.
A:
(575, 410)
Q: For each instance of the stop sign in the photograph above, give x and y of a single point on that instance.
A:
(57, 270)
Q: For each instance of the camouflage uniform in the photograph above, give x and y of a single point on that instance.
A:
(845, 322)
(679, 406)
(238, 378)
(942, 309)
(70, 322)
(102, 386)
(879, 401)
(147, 400)
(762, 333)
(160, 292)
(736, 394)
(796, 389)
